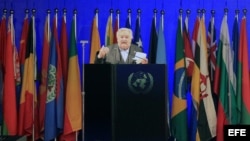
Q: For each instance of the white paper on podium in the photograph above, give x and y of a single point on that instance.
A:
(139, 56)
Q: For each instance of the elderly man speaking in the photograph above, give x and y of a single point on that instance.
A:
(123, 52)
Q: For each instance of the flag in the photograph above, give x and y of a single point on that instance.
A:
(243, 67)
(116, 27)
(137, 37)
(9, 93)
(234, 119)
(227, 89)
(207, 114)
(212, 48)
(161, 46)
(44, 75)
(179, 108)
(64, 50)
(109, 35)
(54, 103)
(195, 84)
(128, 21)
(23, 44)
(73, 107)
(189, 59)
(153, 42)
(3, 37)
(95, 40)
(28, 101)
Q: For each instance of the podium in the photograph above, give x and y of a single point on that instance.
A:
(125, 102)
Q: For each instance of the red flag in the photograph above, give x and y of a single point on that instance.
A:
(116, 27)
(23, 43)
(64, 50)
(3, 37)
(44, 75)
(9, 94)
(244, 66)
(189, 59)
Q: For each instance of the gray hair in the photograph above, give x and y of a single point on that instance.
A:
(120, 30)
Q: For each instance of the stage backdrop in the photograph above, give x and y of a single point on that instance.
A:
(86, 11)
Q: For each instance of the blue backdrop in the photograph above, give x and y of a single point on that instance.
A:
(86, 10)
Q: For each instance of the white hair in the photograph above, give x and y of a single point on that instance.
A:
(120, 30)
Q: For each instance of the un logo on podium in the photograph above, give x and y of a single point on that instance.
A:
(140, 82)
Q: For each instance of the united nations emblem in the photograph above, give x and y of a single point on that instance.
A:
(140, 82)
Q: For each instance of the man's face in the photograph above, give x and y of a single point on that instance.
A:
(124, 40)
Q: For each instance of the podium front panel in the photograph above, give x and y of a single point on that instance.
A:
(139, 103)
(125, 103)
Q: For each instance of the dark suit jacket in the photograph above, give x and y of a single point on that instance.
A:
(114, 55)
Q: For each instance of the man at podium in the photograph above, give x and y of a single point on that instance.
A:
(123, 52)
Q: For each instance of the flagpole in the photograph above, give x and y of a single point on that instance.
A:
(83, 42)
(33, 103)
(74, 13)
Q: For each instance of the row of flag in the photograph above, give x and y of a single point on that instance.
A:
(215, 72)
(49, 108)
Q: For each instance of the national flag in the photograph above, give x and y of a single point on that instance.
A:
(137, 35)
(9, 93)
(109, 35)
(189, 59)
(128, 21)
(207, 119)
(73, 108)
(161, 57)
(243, 99)
(3, 37)
(234, 118)
(28, 102)
(153, 42)
(179, 129)
(212, 48)
(195, 84)
(95, 40)
(116, 26)
(54, 103)
(23, 43)
(44, 75)
(64, 49)
(227, 88)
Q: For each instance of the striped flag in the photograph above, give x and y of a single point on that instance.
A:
(73, 103)
(179, 129)
(95, 44)
(109, 35)
(28, 101)
(227, 78)
(243, 67)
(9, 93)
(207, 119)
